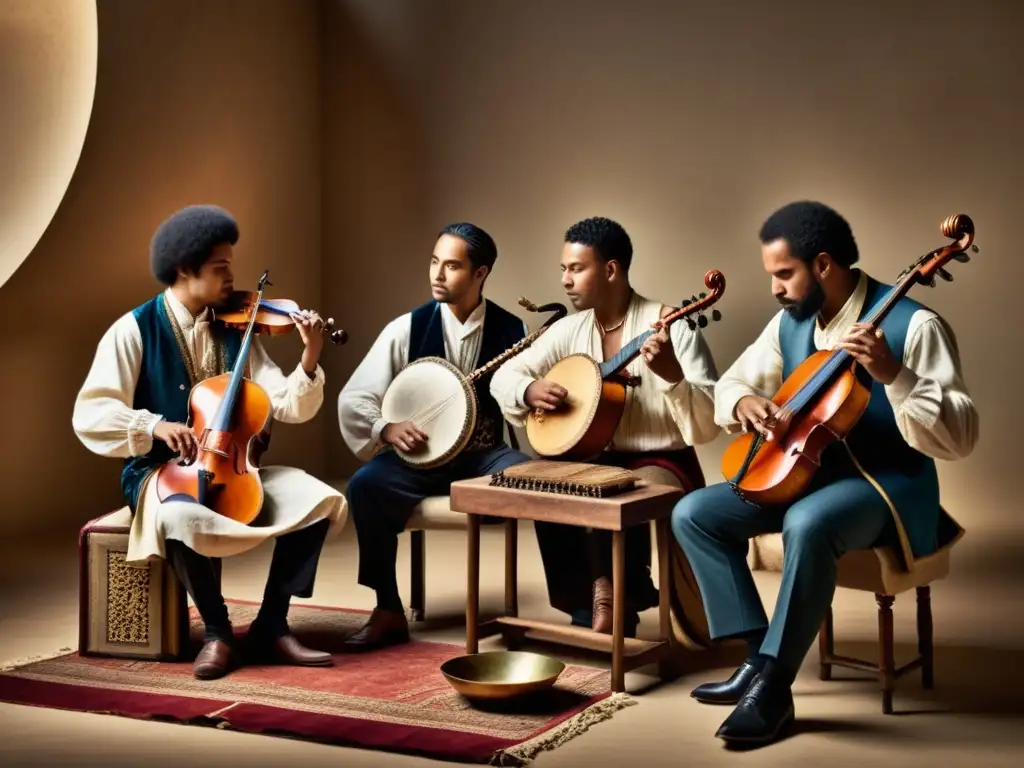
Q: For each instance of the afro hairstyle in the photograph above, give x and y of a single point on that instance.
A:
(185, 240)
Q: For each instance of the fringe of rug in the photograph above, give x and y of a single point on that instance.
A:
(523, 754)
(8, 666)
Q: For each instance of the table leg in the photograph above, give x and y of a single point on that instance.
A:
(472, 582)
(664, 580)
(618, 610)
(511, 567)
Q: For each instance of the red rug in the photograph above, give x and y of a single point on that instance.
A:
(395, 699)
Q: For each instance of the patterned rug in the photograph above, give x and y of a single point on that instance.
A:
(395, 700)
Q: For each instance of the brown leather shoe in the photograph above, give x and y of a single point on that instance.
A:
(603, 610)
(288, 650)
(215, 660)
(602, 605)
(384, 628)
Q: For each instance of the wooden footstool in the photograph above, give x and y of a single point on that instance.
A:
(127, 611)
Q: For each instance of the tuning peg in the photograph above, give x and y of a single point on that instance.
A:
(963, 258)
(702, 295)
(716, 315)
(684, 303)
(945, 275)
(702, 321)
(690, 323)
(975, 248)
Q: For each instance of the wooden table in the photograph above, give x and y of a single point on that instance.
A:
(645, 503)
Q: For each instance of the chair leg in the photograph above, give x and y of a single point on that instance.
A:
(826, 646)
(417, 541)
(924, 635)
(886, 654)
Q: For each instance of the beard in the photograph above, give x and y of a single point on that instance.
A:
(807, 306)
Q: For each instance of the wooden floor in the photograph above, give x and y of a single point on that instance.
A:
(972, 718)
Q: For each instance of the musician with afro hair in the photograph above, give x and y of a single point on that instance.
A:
(135, 406)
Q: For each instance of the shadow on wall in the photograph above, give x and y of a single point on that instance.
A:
(377, 233)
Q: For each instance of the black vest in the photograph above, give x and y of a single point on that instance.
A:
(501, 330)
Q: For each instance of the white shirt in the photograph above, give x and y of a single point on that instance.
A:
(658, 416)
(360, 400)
(103, 417)
(934, 411)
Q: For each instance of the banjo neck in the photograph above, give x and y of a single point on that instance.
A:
(715, 282)
(560, 311)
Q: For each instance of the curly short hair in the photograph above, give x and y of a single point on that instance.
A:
(185, 240)
(810, 228)
(482, 250)
(608, 239)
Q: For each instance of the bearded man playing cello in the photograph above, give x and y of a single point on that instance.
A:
(467, 330)
(919, 410)
(133, 405)
(669, 412)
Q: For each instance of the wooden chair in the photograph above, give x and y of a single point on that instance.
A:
(435, 514)
(879, 571)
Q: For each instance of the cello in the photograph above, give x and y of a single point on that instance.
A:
(230, 415)
(823, 398)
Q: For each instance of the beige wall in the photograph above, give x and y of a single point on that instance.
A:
(690, 122)
(195, 102)
(344, 134)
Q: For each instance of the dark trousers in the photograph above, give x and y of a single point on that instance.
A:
(840, 512)
(292, 573)
(574, 557)
(382, 495)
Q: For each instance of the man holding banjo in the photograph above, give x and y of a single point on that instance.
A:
(447, 338)
(668, 409)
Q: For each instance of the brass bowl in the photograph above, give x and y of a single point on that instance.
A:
(501, 674)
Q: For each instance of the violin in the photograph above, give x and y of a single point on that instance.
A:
(274, 316)
(823, 398)
(231, 414)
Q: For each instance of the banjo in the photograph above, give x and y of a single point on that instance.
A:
(441, 400)
(587, 419)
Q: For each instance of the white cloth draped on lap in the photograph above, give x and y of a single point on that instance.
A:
(292, 500)
(107, 424)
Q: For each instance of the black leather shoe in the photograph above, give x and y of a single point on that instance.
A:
(762, 713)
(728, 692)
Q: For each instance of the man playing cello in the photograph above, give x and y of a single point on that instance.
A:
(919, 410)
(466, 329)
(669, 412)
(134, 404)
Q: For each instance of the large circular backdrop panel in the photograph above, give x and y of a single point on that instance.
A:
(47, 84)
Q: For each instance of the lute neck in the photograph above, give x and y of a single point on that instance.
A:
(624, 356)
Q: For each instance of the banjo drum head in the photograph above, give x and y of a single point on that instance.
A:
(435, 396)
(556, 432)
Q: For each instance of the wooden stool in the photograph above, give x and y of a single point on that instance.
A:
(127, 611)
(880, 572)
(434, 513)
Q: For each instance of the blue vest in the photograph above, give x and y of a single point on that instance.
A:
(501, 330)
(908, 476)
(164, 384)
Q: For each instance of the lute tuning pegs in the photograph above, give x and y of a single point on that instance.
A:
(945, 275)
(716, 315)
